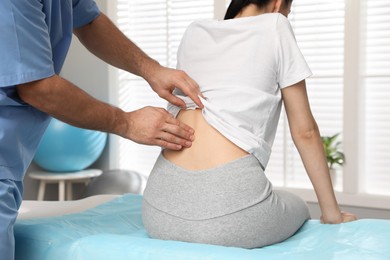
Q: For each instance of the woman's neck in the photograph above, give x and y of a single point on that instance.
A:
(250, 10)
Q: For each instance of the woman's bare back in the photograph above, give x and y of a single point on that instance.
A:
(209, 149)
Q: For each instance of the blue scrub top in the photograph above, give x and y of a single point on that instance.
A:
(35, 38)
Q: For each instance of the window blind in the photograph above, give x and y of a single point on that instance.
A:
(156, 26)
(376, 78)
(319, 30)
(319, 25)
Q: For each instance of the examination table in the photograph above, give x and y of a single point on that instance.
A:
(111, 228)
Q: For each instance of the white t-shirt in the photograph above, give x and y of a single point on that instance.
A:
(241, 65)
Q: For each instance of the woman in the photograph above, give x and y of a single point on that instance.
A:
(216, 192)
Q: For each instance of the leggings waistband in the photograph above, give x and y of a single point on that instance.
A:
(206, 194)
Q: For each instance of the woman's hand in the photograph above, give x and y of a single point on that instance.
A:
(344, 217)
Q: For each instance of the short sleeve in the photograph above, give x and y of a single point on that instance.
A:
(84, 12)
(25, 49)
(292, 66)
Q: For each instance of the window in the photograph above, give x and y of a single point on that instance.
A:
(376, 92)
(157, 27)
(347, 46)
(319, 30)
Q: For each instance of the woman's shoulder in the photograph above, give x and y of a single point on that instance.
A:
(264, 22)
(256, 19)
(283, 26)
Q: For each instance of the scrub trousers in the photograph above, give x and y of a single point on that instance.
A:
(10, 200)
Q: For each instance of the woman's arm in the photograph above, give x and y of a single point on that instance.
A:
(307, 139)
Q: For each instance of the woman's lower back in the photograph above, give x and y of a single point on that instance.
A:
(209, 149)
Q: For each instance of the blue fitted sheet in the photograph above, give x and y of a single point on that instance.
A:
(114, 230)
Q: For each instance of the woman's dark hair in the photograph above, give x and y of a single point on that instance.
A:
(236, 6)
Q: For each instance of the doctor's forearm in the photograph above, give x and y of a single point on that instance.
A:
(64, 101)
(102, 38)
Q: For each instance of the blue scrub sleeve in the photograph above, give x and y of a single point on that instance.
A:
(25, 49)
(84, 12)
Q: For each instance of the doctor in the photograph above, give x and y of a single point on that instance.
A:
(35, 37)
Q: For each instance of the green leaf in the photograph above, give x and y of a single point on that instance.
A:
(334, 155)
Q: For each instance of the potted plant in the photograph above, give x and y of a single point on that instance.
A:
(334, 155)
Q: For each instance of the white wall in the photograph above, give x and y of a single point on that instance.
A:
(90, 74)
(85, 70)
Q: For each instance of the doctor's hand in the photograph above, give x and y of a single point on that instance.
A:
(164, 80)
(156, 126)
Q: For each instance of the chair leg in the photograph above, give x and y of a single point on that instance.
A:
(69, 191)
(61, 190)
(41, 191)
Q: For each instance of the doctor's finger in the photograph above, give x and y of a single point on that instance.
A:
(196, 87)
(172, 142)
(173, 99)
(171, 121)
(191, 89)
(177, 135)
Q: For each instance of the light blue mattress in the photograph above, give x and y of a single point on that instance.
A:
(114, 230)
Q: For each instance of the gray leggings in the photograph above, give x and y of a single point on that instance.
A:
(230, 205)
